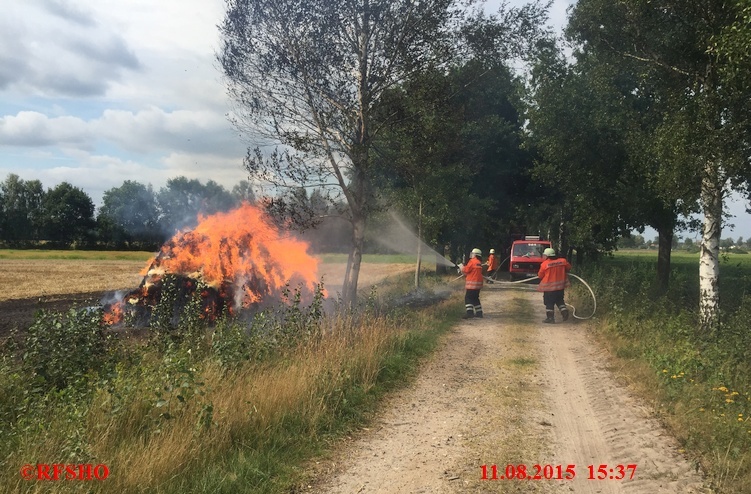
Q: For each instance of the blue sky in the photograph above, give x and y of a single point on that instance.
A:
(95, 92)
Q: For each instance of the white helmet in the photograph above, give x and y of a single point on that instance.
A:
(492, 251)
(549, 252)
(476, 252)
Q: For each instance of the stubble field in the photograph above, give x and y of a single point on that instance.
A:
(60, 280)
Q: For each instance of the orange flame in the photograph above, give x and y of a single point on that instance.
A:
(238, 252)
(114, 315)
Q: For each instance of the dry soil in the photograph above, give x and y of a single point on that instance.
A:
(510, 390)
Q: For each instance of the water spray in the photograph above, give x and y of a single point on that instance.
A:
(403, 240)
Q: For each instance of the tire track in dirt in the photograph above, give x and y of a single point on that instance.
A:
(415, 445)
(599, 422)
(509, 390)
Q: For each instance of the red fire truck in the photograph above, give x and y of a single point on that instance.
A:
(526, 257)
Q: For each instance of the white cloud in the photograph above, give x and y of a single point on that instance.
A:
(225, 171)
(163, 26)
(146, 132)
(198, 131)
(32, 129)
(48, 48)
(65, 10)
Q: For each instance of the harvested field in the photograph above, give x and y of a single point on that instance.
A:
(31, 285)
(58, 284)
(42, 279)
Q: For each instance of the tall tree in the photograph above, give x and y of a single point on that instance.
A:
(68, 215)
(132, 212)
(454, 148)
(243, 191)
(609, 177)
(182, 200)
(704, 131)
(20, 207)
(308, 75)
(581, 159)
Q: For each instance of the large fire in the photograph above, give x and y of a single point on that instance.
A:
(240, 258)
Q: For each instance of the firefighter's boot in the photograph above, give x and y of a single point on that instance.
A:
(549, 317)
(564, 312)
(470, 311)
(478, 310)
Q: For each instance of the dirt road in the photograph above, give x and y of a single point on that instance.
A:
(509, 390)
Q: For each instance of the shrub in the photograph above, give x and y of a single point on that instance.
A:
(62, 348)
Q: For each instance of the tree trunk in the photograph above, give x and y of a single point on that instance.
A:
(665, 240)
(712, 187)
(349, 290)
(345, 281)
(562, 237)
(419, 247)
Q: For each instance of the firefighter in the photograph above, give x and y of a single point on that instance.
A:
(493, 264)
(473, 284)
(553, 276)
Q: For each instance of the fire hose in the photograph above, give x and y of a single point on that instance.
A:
(573, 309)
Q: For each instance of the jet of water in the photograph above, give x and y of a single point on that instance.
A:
(400, 238)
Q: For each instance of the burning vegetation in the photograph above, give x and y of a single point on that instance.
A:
(230, 261)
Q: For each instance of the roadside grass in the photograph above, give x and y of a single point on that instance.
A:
(206, 409)
(700, 383)
(517, 441)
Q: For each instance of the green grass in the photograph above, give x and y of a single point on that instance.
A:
(699, 381)
(270, 415)
(277, 466)
(735, 274)
(88, 255)
(523, 361)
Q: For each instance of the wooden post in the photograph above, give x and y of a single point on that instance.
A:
(419, 246)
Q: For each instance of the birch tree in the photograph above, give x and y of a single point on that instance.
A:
(309, 75)
(705, 130)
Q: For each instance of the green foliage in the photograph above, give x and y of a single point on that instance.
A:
(182, 200)
(179, 315)
(63, 348)
(68, 215)
(233, 342)
(453, 152)
(130, 215)
(179, 386)
(704, 378)
(20, 210)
